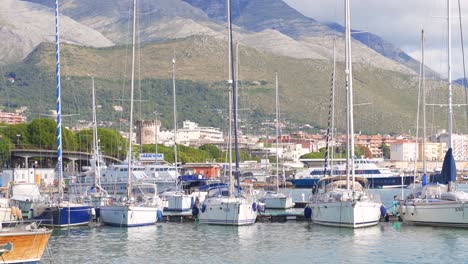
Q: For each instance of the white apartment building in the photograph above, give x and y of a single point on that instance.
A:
(459, 145)
(288, 151)
(192, 135)
(403, 151)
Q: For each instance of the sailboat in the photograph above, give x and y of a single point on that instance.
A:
(342, 201)
(438, 203)
(230, 205)
(177, 200)
(60, 213)
(276, 199)
(141, 206)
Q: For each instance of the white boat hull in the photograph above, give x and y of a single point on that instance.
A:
(346, 213)
(128, 215)
(228, 211)
(435, 213)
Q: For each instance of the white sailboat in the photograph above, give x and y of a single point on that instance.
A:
(438, 204)
(230, 205)
(342, 201)
(141, 206)
(177, 200)
(60, 212)
(277, 199)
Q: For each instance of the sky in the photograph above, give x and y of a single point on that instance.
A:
(400, 22)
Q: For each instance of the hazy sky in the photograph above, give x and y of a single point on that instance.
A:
(400, 22)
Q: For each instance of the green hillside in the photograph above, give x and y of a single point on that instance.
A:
(389, 97)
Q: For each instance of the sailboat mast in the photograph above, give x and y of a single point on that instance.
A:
(97, 170)
(449, 68)
(58, 102)
(232, 77)
(175, 114)
(277, 133)
(349, 86)
(130, 135)
(332, 152)
(423, 43)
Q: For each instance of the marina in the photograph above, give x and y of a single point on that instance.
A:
(174, 154)
(292, 241)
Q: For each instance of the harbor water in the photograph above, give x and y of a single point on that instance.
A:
(289, 242)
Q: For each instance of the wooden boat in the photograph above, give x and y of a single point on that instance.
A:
(23, 243)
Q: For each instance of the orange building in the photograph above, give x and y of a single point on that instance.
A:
(209, 170)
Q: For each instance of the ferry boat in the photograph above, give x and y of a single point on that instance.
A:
(377, 177)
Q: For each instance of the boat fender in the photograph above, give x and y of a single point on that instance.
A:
(19, 213)
(93, 212)
(159, 215)
(195, 210)
(383, 211)
(203, 208)
(308, 213)
(31, 213)
(254, 207)
(192, 201)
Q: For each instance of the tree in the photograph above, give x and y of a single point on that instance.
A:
(385, 151)
(111, 143)
(5, 148)
(42, 133)
(361, 151)
(213, 151)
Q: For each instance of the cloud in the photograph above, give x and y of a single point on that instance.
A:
(399, 22)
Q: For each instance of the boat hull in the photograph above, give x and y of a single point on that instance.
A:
(62, 215)
(355, 214)
(228, 211)
(435, 213)
(28, 246)
(374, 182)
(128, 215)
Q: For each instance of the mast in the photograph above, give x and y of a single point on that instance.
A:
(97, 168)
(449, 68)
(332, 156)
(58, 103)
(175, 115)
(130, 135)
(423, 43)
(232, 77)
(277, 133)
(349, 88)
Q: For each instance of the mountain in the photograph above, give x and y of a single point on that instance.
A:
(201, 72)
(259, 15)
(461, 82)
(20, 35)
(385, 48)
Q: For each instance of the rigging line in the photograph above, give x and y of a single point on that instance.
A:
(464, 67)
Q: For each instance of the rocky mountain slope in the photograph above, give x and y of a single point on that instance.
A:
(25, 25)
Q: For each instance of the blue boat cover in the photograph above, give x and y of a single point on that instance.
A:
(449, 170)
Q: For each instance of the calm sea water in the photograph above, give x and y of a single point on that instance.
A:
(290, 242)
